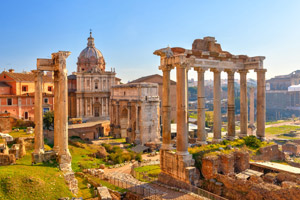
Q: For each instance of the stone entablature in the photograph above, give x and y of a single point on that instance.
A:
(135, 112)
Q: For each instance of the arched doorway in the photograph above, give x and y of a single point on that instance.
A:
(124, 122)
(97, 109)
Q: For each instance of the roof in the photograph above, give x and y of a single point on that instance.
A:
(72, 77)
(29, 77)
(146, 79)
(3, 84)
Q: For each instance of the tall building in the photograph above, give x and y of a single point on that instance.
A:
(17, 94)
(283, 96)
(89, 87)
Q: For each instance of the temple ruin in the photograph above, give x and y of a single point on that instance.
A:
(56, 64)
(205, 55)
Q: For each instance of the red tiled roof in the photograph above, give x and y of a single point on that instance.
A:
(29, 77)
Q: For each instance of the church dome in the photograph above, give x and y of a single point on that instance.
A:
(90, 59)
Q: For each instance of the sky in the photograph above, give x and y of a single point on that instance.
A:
(127, 32)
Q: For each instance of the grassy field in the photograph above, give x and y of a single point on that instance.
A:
(281, 129)
(80, 158)
(24, 181)
(21, 133)
(150, 170)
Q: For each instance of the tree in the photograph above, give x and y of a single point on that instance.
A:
(48, 120)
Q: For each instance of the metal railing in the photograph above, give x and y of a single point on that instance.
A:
(142, 190)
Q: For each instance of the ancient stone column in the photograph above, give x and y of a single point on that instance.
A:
(129, 126)
(252, 106)
(243, 103)
(166, 108)
(261, 103)
(56, 112)
(201, 133)
(181, 89)
(217, 106)
(137, 125)
(64, 154)
(230, 105)
(38, 116)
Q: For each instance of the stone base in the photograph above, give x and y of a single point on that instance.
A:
(43, 157)
(179, 166)
(216, 140)
(261, 138)
(65, 162)
(242, 135)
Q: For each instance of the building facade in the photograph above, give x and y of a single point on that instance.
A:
(89, 87)
(158, 79)
(135, 112)
(17, 94)
(283, 96)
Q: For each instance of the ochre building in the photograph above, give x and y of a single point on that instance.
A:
(17, 94)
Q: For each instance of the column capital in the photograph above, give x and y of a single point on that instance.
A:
(182, 65)
(230, 71)
(200, 69)
(167, 67)
(216, 70)
(260, 70)
(243, 71)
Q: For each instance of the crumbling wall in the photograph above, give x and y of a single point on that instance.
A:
(269, 153)
(7, 159)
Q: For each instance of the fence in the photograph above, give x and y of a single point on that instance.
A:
(142, 190)
(205, 193)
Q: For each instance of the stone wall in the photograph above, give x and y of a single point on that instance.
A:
(177, 170)
(255, 188)
(227, 164)
(291, 148)
(269, 153)
(7, 159)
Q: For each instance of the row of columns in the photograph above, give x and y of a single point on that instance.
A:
(84, 103)
(60, 112)
(182, 111)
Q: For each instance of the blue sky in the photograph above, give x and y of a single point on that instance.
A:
(127, 32)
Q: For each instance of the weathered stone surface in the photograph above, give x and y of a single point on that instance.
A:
(103, 193)
(270, 177)
(210, 165)
(269, 153)
(7, 159)
(15, 150)
(71, 182)
(22, 147)
(291, 148)
(226, 164)
(241, 161)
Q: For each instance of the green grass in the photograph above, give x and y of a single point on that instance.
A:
(84, 191)
(80, 158)
(24, 181)
(21, 133)
(107, 184)
(277, 122)
(281, 129)
(110, 140)
(151, 171)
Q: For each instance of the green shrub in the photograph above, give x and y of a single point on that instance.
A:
(138, 157)
(252, 142)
